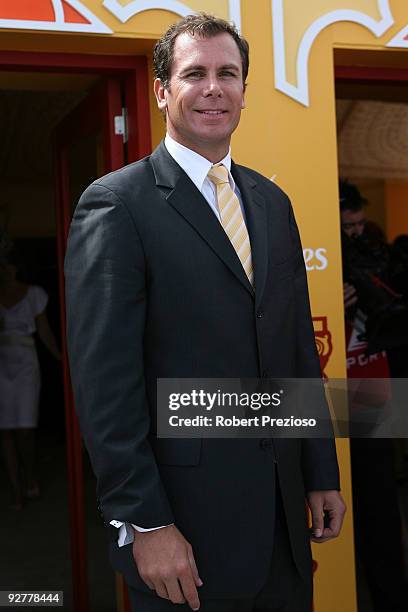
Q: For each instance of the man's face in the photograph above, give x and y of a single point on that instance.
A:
(352, 223)
(205, 95)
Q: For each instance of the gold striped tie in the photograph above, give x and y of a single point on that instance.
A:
(232, 219)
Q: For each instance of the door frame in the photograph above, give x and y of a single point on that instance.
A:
(95, 113)
(132, 68)
(133, 72)
(371, 74)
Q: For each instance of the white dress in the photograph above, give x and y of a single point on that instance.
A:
(19, 369)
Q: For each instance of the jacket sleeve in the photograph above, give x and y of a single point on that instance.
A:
(319, 460)
(106, 306)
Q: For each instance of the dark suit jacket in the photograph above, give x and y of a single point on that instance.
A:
(155, 289)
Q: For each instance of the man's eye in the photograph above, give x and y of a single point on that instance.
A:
(194, 75)
(227, 73)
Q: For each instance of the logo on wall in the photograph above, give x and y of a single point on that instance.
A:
(400, 40)
(74, 16)
(125, 10)
(292, 54)
(323, 339)
(59, 15)
(315, 259)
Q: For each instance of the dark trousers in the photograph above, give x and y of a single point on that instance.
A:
(284, 590)
(377, 523)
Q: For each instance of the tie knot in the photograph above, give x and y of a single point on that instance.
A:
(218, 174)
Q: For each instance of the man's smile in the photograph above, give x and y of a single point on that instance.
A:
(211, 113)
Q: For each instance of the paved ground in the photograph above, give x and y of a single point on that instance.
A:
(35, 552)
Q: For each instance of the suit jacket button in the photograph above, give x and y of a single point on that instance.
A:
(265, 374)
(259, 314)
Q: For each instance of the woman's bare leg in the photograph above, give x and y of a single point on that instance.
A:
(26, 447)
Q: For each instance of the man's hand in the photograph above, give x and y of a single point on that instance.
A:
(328, 509)
(349, 295)
(166, 563)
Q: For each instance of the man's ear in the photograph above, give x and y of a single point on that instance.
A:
(243, 97)
(160, 93)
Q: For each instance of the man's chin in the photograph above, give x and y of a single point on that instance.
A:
(213, 135)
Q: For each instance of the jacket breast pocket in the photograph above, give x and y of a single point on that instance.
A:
(183, 451)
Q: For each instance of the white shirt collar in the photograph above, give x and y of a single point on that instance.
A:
(194, 165)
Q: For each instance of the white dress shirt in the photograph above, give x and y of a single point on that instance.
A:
(196, 167)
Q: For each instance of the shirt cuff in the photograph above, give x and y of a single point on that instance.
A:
(126, 534)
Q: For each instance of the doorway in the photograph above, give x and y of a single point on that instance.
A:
(372, 118)
(66, 120)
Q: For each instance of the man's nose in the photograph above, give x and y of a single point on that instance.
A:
(212, 87)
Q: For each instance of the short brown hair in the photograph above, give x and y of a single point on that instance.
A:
(203, 25)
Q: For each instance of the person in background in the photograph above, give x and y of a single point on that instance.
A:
(376, 513)
(22, 313)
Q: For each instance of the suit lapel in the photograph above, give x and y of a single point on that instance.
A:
(255, 209)
(184, 196)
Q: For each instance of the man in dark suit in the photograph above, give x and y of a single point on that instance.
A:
(186, 265)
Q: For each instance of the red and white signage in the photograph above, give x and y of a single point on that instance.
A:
(57, 15)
